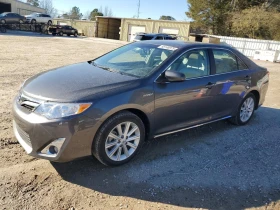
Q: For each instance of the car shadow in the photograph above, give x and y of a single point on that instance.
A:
(216, 166)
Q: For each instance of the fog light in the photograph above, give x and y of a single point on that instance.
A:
(53, 148)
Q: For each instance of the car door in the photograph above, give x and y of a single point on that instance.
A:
(232, 79)
(187, 103)
(17, 18)
(9, 18)
(71, 30)
(67, 29)
(39, 18)
(46, 18)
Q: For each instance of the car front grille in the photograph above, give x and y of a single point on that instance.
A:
(28, 107)
(25, 137)
(27, 103)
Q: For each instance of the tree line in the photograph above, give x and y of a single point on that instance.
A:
(74, 12)
(242, 18)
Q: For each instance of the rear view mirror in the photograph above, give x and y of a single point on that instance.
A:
(174, 76)
(142, 51)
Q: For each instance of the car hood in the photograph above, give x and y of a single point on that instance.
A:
(78, 82)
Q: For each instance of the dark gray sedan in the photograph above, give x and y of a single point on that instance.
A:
(109, 106)
(9, 17)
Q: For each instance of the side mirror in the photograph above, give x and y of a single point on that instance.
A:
(174, 76)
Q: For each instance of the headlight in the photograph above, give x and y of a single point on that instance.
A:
(59, 110)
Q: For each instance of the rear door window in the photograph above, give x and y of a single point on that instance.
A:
(225, 61)
(241, 64)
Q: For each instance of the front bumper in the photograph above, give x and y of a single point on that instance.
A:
(35, 132)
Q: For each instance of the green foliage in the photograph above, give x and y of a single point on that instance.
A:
(210, 15)
(164, 17)
(34, 2)
(95, 13)
(256, 23)
(246, 4)
(74, 14)
(245, 18)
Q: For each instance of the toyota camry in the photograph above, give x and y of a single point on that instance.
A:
(109, 106)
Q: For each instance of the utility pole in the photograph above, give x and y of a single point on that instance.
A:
(138, 11)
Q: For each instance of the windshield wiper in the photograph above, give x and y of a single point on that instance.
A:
(105, 68)
(114, 70)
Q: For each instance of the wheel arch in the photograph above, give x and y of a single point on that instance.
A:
(135, 110)
(144, 119)
(257, 96)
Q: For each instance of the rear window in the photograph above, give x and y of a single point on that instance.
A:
(143, 37)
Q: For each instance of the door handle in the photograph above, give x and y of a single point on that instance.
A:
(210, 85)
(248, 78)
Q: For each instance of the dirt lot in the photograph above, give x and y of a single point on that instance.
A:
(218, 166)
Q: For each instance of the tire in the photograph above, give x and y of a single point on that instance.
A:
(3, 29)
(110, 127)
(33, 21)
(75, 34)
(3, 21)
(238, 120)
(68, 34)
(60, 33)
(49, 22)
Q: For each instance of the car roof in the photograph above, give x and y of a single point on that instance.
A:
(183, 44)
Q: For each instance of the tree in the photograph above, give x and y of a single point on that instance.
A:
(219, 16)
(209, 15)
(87, 15)
(256, 22)
(65, 16)
(107, 12)
(33, 2)
(75, 14)
(164, 17)
(240, 5)
(48, 6)
(95, 13)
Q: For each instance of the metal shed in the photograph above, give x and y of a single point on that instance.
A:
(18, 7)
(126, 29)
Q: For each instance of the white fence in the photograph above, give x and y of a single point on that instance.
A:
(249, 46)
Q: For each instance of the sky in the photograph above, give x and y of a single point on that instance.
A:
(128, 8)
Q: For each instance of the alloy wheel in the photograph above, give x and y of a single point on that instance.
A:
(247, 109)
(122, 141)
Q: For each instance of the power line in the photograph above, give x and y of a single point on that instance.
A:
(138, 11)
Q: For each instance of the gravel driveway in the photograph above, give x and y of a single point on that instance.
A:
(217, 166)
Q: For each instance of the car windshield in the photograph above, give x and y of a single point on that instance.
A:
(143, 37)
(137, 60)
(2, 14)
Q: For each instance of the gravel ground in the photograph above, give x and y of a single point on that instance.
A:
(217, 166)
